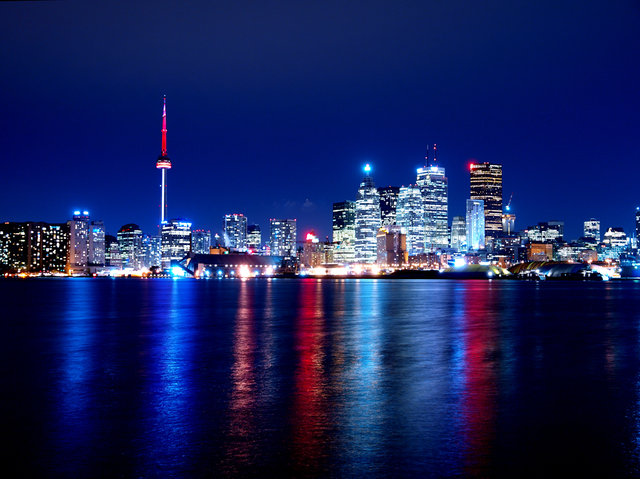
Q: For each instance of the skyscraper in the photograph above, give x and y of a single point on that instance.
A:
(234, 228)
(367, 220)
(459, 233)
(33, 247)
(388, 204)
(475, 224)
(163, 163)
(486, 185)
(344, 231)
(200, 241)
(254, 238)
(592, 229)
(282, 237)
(130, 243)
(79, 242)
(176, 241)
(152, 247)
(96, 244)
(638, 224)
(410, 217)
(434, 187)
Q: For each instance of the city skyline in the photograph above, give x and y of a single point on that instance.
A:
(257, 128)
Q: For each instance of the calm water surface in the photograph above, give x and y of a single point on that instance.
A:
(151, 378)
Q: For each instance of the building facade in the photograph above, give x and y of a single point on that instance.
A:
(486, 185)
(592, 229)
(475, 225)
(200, 241)
(458, 233)
(234, 227)
(344, 231)
(388, 204)
(130, 242)
(152, 249)
(97, 246)
(433, 185)
(175, 241)
(367, 220)
(34, 247)
(410, 218)
(254, 238)
(392, 246)
(79, 242)
(283, 237)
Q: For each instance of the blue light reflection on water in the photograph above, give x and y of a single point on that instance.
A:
(307, 377)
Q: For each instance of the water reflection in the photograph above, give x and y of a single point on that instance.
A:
(240, 442)
(309, 414)
(169, 395)
(479, 371)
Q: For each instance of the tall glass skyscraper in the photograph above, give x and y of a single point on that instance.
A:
(433, 185)
(367, 220)
(459, 233)
(638, 224)
(234, 228)
(486, 185)
(475, 225)
(410, 217)
(130, 242)
(344, 231)
(176, 241)
(79, 241)
(96, 244)
(283, 237)
(388, 204)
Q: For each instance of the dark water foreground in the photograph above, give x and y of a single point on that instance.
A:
(357, 378)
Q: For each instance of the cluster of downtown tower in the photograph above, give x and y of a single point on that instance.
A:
(392, 226)
(416, 217)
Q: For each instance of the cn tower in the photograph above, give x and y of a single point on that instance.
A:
(164, 164)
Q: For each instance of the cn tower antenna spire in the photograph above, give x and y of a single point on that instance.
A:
(163, 163)
(164, 127)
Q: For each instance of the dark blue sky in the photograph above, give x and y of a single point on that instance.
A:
(273, 107)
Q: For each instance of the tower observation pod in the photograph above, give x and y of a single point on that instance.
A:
(164, 164)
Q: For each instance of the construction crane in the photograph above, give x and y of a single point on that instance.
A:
(508, 207)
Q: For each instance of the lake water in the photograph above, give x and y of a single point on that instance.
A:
(355, 378)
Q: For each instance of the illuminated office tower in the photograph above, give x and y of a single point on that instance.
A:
(130, 243)
(433, 185)
(96, 244)
(79, 242)
(392, 246)
(486, 185)
(33, 247)
(459, 233)
(388, 204)
(254, 238)
(367, 220)
(152, 248)
(112, 256)
(234, 229)
(163, 163)
(638, 223)
(282, 237)
(410, 217)
(475, 225)
(200, 241)
(344, 231)
(558, 226)
(592, 229)
(175, 242)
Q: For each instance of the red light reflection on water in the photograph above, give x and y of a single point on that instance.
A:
(480, 389)
(309, 416)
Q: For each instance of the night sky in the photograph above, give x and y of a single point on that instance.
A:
(273, 107)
